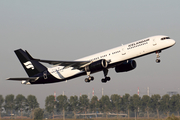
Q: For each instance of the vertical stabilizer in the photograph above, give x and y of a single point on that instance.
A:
(32, 67)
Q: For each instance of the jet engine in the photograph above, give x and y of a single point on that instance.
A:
(126, 66)
(97, 66)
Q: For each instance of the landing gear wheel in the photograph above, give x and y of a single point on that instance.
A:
(158, 60)
(157, 56)
(91, 78)
(103, 80)
(87, 80)
(108, 78)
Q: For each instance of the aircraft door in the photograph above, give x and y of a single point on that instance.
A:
(154, 42)
(123, 50)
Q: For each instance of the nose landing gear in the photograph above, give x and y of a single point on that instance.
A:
(157, 56)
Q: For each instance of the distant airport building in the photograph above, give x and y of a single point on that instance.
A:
(171, 93)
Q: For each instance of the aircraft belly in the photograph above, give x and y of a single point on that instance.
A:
(69, 72)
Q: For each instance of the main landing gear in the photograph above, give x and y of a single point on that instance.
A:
(104, 80)
(91, 78)
(157, 56)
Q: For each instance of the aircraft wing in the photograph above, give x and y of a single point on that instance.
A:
(25, 78)
(66, 64)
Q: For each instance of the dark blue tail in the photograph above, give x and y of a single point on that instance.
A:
(32, 67)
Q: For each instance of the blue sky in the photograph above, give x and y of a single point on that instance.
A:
(68, 30)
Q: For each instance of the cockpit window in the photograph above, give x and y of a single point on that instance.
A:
(164, 38)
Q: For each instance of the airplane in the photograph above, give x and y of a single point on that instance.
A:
(121, 58)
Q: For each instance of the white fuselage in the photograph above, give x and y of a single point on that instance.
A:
(118, 54)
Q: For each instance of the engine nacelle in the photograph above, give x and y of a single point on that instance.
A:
(126, 66)
(97, 66)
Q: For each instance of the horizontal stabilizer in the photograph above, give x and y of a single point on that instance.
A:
(26, 79)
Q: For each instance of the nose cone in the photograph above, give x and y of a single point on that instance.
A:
(172, 42)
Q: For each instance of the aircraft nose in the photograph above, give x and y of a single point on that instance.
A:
(173, 42)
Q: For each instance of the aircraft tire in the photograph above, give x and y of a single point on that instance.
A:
(87, 80)
(108, 78)
(103, 80)
(91, 78)
(158, 60)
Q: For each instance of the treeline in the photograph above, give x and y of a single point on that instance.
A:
(134, 105)
(19, 105)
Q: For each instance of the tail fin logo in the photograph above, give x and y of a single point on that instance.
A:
(29, 65)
